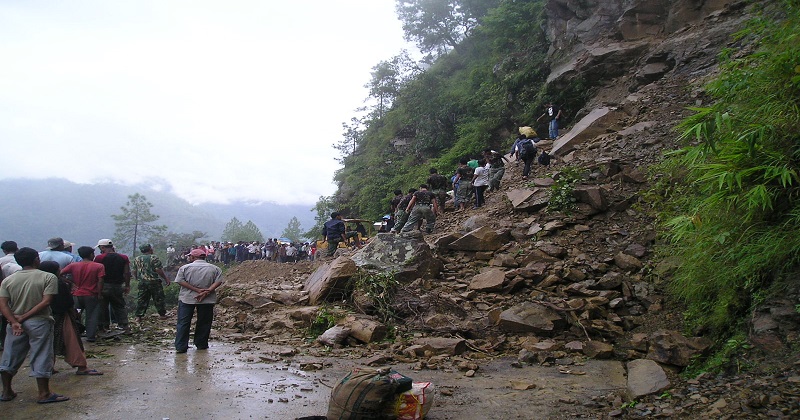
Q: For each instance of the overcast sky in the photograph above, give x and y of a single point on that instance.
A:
(216, 100)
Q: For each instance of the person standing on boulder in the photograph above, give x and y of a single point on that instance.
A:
(553, 114)
(334, 232)
(199, 281)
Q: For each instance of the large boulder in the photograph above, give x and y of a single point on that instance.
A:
(531, 317)
(365, 329)
(442, 345)
(409, 257)
(591, 195)
(329, 281)
(597, 122)
(672, 348)
(529, 200)
(481, 239)
(645, 377)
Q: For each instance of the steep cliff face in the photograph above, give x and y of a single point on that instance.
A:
(600, 41)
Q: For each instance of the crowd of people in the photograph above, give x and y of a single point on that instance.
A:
(228, 252)
(48, 298)
(470, 182)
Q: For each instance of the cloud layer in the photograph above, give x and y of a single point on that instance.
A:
(223, 100)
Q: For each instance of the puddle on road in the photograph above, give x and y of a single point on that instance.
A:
(244, 381)
(147, 383)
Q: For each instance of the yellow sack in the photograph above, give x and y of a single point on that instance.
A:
(528, 132)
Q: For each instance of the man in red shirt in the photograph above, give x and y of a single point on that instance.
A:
(87, 276)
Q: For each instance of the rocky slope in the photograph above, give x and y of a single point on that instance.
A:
(553, 288)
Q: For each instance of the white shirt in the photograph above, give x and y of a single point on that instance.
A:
(481, 176)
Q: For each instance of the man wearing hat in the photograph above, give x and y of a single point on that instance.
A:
(55, 252)
(116, 284)
(147, 268)
(199, 281)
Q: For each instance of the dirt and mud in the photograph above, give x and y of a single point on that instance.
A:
(144, 379)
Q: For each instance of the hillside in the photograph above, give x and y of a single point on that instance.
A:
(558, 288)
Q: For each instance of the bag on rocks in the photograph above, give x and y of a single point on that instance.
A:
(415, 403)
(367, 394)
(334, 335)
(544, 158)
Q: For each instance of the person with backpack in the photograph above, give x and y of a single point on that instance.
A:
(527, 153)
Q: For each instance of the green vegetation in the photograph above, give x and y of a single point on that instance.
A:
(483, 78)
(326, 318)
(732, 197)
(379, 289)
(727, 357)
(293, 230)
(561, 197)
(235, 231)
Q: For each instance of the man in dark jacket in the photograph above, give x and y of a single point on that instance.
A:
(333, 231)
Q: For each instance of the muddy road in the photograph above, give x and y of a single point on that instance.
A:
(253, 381)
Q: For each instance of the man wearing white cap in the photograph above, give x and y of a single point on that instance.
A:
(199, 281)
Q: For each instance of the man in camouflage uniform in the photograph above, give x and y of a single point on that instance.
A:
(401, 215)
(147, 268)
(420, 208)
(439, 186)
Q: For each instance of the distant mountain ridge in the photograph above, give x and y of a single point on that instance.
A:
(31, 211)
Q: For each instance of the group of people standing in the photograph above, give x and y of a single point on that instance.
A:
(41, 293)
(472, 179)
(229, 253)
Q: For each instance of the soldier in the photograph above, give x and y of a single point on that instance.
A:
(420, 208)
(438, 185)
(401, 216)
(147, 268)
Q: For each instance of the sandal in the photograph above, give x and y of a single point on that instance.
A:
(53, 398)
(89, 372)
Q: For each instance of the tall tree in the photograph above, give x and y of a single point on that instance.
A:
(351, 138)
(388, 77)
(135, 223)
(235, 231)
(232, 229)
(293, 230)
(251, 232)
(438, 26)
